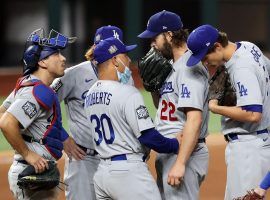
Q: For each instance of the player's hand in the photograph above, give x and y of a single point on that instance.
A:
(213, 103)
(39, 163)
(176, 174)
(73, 150)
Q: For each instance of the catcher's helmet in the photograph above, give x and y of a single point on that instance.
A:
(38, 48)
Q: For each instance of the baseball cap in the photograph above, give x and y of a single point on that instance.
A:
(200, 41)
(110, 47)
(105, 32)
(161, 22)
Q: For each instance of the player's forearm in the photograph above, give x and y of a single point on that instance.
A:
(10, 128)
(2, 110)
(190, 137)
(237, 113)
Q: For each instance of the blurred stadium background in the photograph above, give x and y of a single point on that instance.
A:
(241, 19)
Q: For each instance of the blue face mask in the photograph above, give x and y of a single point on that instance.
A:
(125, 76)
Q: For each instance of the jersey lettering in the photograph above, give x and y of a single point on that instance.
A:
(98, 98)
(170, 115)
(100, 128)
(242, 90)
(166, 88)
(185, 93)
(256, 55)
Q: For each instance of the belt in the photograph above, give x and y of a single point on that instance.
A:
(30, 139)
(123, 157)
(201, 140)
(234, 136)
(88, 151)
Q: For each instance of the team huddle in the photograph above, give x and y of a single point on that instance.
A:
(110, 130)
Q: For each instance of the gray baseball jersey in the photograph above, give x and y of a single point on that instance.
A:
(184, 87)
(34, 119)
(248, 69)
(248, 61)
(117, 115)
(72, 88)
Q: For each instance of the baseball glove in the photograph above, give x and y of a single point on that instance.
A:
(46, 180)
(154, 69)
(221, 88)
(251, 195)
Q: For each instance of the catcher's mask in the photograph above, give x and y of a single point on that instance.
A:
(38, 47)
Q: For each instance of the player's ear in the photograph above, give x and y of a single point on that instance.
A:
(42, 64)
(114, 61)
(218, 46)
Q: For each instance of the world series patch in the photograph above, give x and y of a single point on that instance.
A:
(29, 109)
(58, 85)
(142, 112)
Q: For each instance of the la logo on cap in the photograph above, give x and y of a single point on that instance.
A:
(164, 27)
(115, 34)
(207, 44)
(112, 49)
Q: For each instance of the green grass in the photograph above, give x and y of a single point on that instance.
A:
(214, 123)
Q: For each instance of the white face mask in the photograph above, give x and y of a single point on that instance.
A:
(124, 77)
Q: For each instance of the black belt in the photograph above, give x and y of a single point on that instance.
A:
(88, 151)
(201, 140)
(30, 139)
(234, 136)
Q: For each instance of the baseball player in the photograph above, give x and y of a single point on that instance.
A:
(244, 125)
(72, 88)
(32, 120)
(182, 107)
(122, 128)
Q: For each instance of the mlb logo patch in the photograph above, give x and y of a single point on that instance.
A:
(142, 112)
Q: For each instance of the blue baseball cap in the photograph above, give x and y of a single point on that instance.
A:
(110, 47)
(161, 22)
(200, 41)
(105, 32)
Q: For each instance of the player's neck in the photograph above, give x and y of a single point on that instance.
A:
(44, 77)
(229, 51)
(106, 74)
(179, 51)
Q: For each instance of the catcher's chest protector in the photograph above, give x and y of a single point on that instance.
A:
(48, 100)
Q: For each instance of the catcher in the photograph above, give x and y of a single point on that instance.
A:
(32, 121)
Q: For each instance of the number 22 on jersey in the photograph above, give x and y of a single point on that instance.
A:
(167, 111)
(100, 128)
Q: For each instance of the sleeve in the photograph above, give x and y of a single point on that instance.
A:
(25, 109)
(64, 85)
(8, 101)
(192, 89)
(248, 90)
(137, 114)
